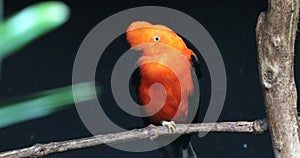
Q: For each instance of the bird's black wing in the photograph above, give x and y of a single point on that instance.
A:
(196, 65)
(135, 82)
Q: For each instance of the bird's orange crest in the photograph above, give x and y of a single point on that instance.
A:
(142, 33)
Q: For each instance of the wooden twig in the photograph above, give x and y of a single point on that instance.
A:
(275, 33)
(150, 132)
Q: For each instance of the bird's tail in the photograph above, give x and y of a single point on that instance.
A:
(180, 148)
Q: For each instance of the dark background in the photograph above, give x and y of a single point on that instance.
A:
(47, 63)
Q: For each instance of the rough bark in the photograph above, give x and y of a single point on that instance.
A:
(150, 132)
(276, 32)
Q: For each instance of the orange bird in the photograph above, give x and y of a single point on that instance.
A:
(165, 60)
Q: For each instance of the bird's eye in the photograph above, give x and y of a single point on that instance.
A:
(156, 38)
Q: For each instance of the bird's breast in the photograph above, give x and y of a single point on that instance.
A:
(173, 72)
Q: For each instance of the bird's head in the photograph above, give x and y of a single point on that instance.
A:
(141, 34)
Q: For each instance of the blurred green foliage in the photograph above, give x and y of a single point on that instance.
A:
(30, 23)
(43, 103)
(18, 31)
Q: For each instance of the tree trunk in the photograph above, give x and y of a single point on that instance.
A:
(275, 33)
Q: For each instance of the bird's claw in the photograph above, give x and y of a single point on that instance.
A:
(170, 125)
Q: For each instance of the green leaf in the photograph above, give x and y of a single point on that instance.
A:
(44, 103)
(29, 24)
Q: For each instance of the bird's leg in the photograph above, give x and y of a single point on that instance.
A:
(170, 125)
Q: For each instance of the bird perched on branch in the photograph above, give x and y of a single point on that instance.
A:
(164, 80)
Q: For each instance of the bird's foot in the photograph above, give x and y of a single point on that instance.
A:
(170, 125)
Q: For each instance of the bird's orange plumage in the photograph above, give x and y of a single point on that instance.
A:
(164, 53)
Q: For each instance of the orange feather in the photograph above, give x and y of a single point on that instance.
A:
(165, 60)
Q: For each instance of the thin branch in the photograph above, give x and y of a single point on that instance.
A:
(150, 132)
